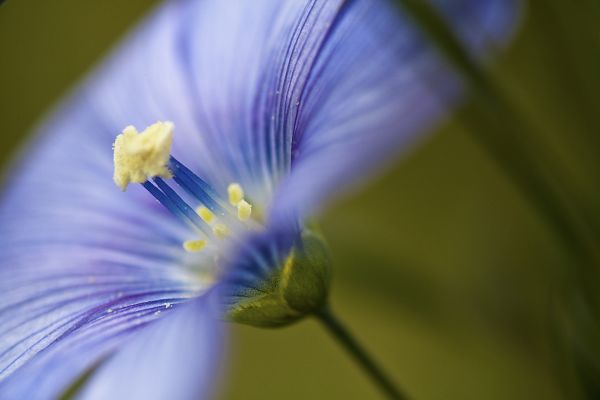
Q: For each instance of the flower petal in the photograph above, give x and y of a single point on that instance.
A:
(321, 89)
(83, 265)
(175, 358)
(324, 90)
(228, 74)
(66, 314)
(248, 82)
(377, 84)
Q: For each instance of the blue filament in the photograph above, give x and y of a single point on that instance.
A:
(175, 204)
(186, 210)
(196, 186)
(163, 199)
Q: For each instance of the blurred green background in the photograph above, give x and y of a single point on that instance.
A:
(442, 268)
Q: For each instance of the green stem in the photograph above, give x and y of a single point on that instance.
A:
(345, 338)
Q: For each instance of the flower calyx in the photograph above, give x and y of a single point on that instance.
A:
(298, 288)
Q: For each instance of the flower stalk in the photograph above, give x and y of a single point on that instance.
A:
(343, 336)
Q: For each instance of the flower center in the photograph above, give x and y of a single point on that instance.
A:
(145, 158)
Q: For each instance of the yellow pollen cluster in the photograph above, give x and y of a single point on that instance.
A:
(236, 198)
(221, 231)
(194, 246)
(206, 215)
(141, 156)
(244, 210)
(236, 193)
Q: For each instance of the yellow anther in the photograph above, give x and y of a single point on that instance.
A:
(194, 246)
(236, 193)
(244, 210)
(140, 156)
(206, 215)
(221, 231)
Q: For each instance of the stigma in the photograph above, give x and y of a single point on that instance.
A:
(145, 158)
(139, 156)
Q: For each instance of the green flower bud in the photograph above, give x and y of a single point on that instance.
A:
(300, 287)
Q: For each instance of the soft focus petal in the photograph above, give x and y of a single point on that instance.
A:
(376, 85)
(83, 266)
(257, 89)
(228, 74)
(248, 81)
(176, 358)
(59, 362)
(322, 89)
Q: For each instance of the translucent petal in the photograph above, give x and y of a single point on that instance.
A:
(83, 265)
(175, 358)
(377, 85)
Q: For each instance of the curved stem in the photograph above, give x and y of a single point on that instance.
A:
(345, 338)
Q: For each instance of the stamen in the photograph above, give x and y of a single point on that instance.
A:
(236, 199)
(236, 194)
(196, 187)
(194, 246)
(244, 210)
(221, 231)
(164, 200)
(182, 205)
(206, 215)
(145, 158)
(140, 156)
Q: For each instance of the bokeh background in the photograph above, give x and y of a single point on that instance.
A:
(441, 267)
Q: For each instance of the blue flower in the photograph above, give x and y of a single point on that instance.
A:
(293, 101)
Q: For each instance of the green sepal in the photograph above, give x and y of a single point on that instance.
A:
(306, 277)
(266, 310)
(295, 290)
